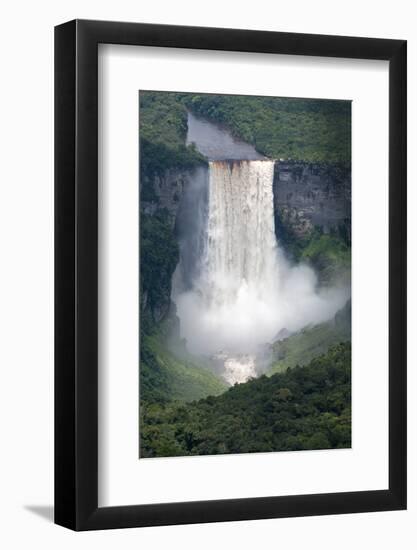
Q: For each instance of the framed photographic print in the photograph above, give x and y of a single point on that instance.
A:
(230, 275)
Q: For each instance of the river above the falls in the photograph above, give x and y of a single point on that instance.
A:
(217, 143)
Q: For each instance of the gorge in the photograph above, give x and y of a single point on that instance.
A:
(255, 248)
(237, 292)
(245, 316)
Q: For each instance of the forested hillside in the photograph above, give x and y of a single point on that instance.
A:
(165, 376)
(303, 346)
(304, 408)
(163, 129)
(309, 130)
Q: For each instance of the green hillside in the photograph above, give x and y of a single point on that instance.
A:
(300, 348)
(165, 377)
(329, 255)
(304, 408)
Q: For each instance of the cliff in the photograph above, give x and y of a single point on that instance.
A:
(166, 191)
(170, 204)
(311, 195)
(306, 196)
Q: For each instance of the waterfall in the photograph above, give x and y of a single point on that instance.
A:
(240, 248)
(243, 292)
(227, 312)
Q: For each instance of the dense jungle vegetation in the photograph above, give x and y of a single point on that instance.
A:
(163, 130)
(303, 408)
(159, 254)
(308, 130)
(304, 401)
(329, 254)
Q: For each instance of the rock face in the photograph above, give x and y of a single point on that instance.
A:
(170, 204)
(308, 195)
(167, 191)
(305, 195)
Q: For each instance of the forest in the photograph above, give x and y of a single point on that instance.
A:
(302, 401)
(309, 130)
(302, 408)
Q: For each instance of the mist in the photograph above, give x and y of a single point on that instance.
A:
(234, 289)
(254, 315)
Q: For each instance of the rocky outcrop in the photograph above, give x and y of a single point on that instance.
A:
(310, 195)
(164, 192)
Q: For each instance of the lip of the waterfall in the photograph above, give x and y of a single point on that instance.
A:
(242, 160)
(231, 165)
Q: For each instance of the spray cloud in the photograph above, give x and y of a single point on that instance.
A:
(242, 291)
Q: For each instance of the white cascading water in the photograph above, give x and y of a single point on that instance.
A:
(245, 292)
(240, 257)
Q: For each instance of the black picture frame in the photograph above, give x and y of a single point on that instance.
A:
(76, 273)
